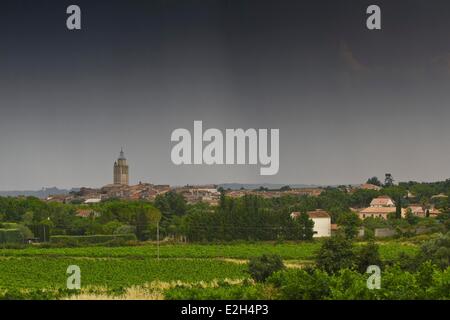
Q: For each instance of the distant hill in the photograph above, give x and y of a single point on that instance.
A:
(271, 186)
(42, 194)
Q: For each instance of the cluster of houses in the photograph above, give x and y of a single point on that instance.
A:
(383, 206)
(205, 193)
(380, 207)
(140, 191)
(147, 191)
(313, 192)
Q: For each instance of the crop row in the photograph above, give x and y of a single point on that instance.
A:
(298, 251)
(47, 272)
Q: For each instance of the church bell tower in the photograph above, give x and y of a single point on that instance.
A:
(121, 170)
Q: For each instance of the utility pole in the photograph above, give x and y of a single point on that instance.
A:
(157, 237)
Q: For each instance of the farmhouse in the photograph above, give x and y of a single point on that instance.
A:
(377, 212)
(369, 186)
(417, 210)
(380, 207)
(382, 201)
(322, 222)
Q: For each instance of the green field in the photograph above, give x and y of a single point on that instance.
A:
(296, 251)
(116, 268)
(24, 273)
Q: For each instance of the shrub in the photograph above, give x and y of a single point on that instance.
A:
(222, 292)
(298, 284)
(11, 236)
(437, 251)
(335, 253)
(24, 230)
(368, 255)
(350, 285)
(260, 268)
(125, 229)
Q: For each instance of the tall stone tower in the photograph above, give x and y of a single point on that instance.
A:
(121, 170)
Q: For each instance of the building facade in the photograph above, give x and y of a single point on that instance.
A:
(322, 222)
(121, 172)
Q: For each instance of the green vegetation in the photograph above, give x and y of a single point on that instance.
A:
(94, 239)
(27, 272)
(348, 284)
(302, 251)
(194, 270)
(260, 268)
(10, 236)
(205, 249)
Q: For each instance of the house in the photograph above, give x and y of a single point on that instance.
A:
(87, 213)
(417, 210)
(379, 212)
(433, 212)
(369, 186)
(382, 201)
(380, 207)
(322, 222)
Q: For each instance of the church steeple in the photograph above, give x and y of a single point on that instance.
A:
(122, 156)
(121, 169)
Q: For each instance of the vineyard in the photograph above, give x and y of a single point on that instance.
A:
(112, 270)
(297, 251)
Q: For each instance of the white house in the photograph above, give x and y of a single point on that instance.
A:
(322, 222)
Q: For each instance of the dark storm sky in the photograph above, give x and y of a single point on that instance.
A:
(350, 103)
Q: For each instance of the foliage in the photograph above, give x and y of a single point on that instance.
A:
(368, 255)
(335, 253)
(305, 227)
(374, 180)
(171, 204)
(93, 239)
(31, 273)
(437, 251)
(10, 236)
(428, 283)
(350, 224)
(223, 291)
(260, 268)
(300, 284)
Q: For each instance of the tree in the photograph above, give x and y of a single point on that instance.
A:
(335, 253)
(410, 217)
(304, 226)
(368, 255)
(350, 224)
(145, 217)
(111, 227)
(375, 181)
(170, 204)
(260, 268)
(388, 180)
(125, 229)
(398, 209)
